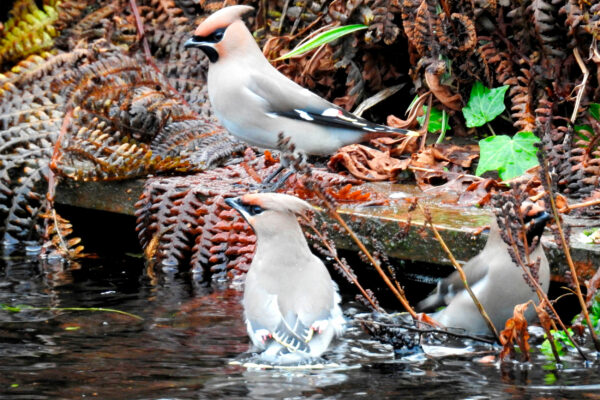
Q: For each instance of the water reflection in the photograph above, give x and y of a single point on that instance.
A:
(189, 335)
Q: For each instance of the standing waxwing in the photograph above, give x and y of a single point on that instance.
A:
(255, 102)
(496, 281)
(291, 305)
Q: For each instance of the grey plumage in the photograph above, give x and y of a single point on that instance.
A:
(255, 102)
(290, 303)
(496, 281)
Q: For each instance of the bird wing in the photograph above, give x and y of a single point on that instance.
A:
(475, 269)
(264, 315)
(282, 97)
(293, 338)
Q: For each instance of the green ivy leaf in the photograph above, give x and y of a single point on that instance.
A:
(546, 349)
(510, 157)
(435, 120)
(484, 104)
(595, 111)
(323, 38)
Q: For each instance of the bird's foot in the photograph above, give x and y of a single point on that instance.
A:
(263, 335)
(273, 187)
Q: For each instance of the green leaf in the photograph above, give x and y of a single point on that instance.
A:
(21, 307)
(546, 349)
(323, 38)
(510, 157)
(595, 111)
(435, 120)
(484, 104)
(585, 127)
(72, 328)
(550, 378)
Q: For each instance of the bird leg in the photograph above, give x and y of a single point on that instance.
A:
(273, 174)
(267, 186)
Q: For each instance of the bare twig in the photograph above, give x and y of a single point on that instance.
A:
(431, 329)
(570, 207)
(461, 272)
(333, 213)
(581, 86)
(283, 14)
(567, 250)
(333, 253)
(426, 122)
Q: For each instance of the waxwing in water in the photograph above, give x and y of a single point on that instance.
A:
(496, 281)
(255, 102)
(291, 305)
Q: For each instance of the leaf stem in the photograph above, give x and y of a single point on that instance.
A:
(461, 272)
(572, 269)
(440, 139)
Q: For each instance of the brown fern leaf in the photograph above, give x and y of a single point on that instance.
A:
(548, 32)
(188, 221)
(383, 26)
(522, 100)
(29, 30)
(127, 124)
(59, 243)
(127, 119)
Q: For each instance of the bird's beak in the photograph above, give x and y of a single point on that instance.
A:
(541, 219)
(207, 47)
(193, 42)
(236, 204)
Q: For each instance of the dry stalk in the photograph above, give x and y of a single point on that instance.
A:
(549, 336)
(333, 253)
(425, 128)
(570, 207)
(333, 213)
(429, 329)
(542, 296)
(567, 251)
(461, 272)
(581, 86)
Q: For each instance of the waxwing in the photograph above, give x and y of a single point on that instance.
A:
(255, 102)
(497, 282)
(291, 305)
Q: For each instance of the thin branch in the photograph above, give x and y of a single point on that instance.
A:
(333, 213)
(461, 272)
(342, 266)
(567, 251)
(581, 86)
(428, 330)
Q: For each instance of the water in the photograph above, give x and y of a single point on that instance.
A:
(184, 346)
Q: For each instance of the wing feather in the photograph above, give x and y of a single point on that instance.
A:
(277, 98)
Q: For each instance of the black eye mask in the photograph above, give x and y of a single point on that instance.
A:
(203, 43)
(214, 37)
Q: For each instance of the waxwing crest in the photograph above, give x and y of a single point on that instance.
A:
(221, 19)
(276, 202)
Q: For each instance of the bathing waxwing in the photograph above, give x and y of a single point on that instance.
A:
(496, 281)
(291, 305)
(255, 102)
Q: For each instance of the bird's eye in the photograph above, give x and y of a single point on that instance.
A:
(254, 210)
(218, 34)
